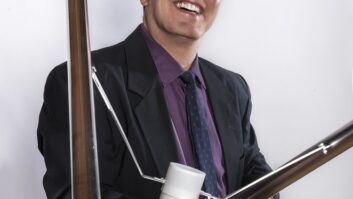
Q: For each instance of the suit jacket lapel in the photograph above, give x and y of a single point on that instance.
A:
(153, 117)
(151, 111)
(224, 112)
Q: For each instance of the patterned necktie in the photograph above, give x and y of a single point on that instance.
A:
(199, 133)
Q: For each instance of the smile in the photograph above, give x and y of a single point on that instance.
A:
(187, 6)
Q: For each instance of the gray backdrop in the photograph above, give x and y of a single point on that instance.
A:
(295, 54)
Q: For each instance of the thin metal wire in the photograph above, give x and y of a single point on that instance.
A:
(126, 141)
(121, 130)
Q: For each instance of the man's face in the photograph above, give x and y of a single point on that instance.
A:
(183, 18)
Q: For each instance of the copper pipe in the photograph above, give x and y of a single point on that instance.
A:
(84, 159)
(298, 167)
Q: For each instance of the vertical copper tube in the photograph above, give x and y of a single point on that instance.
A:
(84, 160)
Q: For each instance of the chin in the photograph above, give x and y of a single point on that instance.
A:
(193, 35)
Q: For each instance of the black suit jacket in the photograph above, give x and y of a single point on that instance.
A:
(129, 76)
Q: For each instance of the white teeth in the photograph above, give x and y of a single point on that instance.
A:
(189, 7)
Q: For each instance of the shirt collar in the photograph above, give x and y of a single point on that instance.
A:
(168, 68)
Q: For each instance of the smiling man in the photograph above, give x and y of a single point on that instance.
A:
(173, 105)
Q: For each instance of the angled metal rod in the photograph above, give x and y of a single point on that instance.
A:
(83, 143)
(123, 135)
(121, 130)
(126, 141)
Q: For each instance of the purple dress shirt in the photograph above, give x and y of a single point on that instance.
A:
(169, 71)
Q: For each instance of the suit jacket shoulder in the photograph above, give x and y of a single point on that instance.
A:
(231, 79)
(233, 82)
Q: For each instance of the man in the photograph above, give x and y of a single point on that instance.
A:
(147, 78)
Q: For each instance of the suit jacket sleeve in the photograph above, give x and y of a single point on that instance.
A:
(255, 165)
(54, 142)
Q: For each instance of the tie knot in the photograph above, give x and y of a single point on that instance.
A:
(188, 77)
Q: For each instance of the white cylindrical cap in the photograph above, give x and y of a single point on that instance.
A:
(182, 182)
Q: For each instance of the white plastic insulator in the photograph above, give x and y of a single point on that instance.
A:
(182, 182)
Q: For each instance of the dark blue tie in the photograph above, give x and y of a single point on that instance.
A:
(199, 133)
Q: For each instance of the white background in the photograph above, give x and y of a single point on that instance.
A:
(297, 56)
